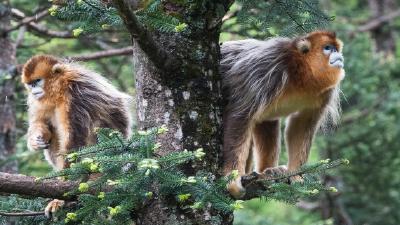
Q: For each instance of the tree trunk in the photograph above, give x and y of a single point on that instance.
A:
(187, 99)
(7, 81)
(383, 35)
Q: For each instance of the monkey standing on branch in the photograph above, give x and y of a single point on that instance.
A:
(66, 102)
(266, 80)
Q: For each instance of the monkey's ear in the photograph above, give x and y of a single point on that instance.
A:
(303, 45)
(58, 68)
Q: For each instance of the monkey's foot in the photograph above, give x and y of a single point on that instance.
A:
(236, 189)
(53, 207)
(274, 171)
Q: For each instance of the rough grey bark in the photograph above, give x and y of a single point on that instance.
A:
(183, 93)
(383, 35)
(7, 81)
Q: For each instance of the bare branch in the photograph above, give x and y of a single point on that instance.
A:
(156, 54)
(376, 22)
(103, 54)
(41, 30)
(26, 20)
(26, 185)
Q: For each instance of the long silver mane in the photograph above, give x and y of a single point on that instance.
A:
(250, 67)
(255, 72)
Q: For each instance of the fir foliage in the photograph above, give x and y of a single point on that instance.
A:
(89, 16)
(264, 18)
(129, 174)
(260, 18)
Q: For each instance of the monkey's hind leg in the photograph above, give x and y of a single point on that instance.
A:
(299, 134)
(266, 145)
(237, 143)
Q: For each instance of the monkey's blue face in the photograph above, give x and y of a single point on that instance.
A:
(335, 57)
(35, 88)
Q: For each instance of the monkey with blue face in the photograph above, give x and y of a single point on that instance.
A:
(265, 81)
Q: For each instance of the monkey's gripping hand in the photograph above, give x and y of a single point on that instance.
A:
(39, 139)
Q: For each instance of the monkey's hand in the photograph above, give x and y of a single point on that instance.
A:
(236, 189)
(37, 141)
(53, 207)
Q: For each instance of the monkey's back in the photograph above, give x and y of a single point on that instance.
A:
(96, 103)
(253, 72)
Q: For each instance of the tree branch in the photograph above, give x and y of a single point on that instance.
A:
(375, 23)
(41, 30)
(157, 55)
(26, 185)
(103, 54)
(27, 20)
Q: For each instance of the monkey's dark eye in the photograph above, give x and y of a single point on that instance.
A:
(34, 82)
(329, 49)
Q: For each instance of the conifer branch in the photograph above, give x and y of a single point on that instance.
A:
(254, 183)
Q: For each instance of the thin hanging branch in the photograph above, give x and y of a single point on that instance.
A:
(102, 54)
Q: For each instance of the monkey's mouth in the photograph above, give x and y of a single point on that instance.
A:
(38, 95)
(337, 62)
